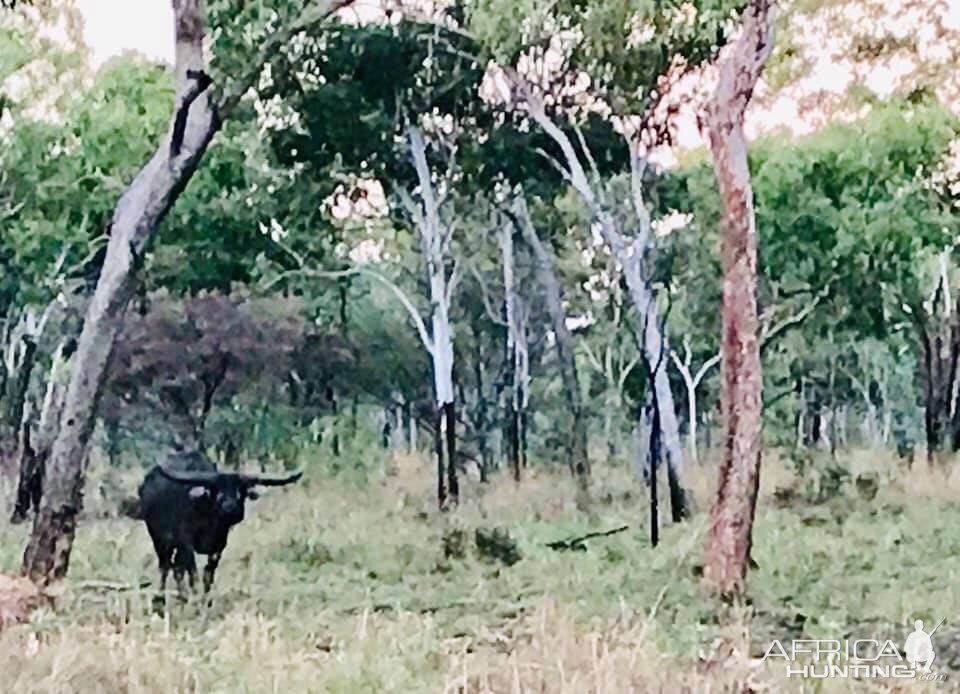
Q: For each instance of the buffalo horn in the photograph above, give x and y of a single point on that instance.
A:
(190, 476)
(272, 480)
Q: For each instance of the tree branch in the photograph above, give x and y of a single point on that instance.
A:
(638, 165)
(485, 296)
(626, 371)
(591, 357)
(317, 11)
(383, 279)
(704, 368)
(768, 335)
(577, 542)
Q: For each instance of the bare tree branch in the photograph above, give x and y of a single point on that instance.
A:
(485, 295)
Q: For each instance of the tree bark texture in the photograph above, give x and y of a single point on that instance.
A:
(732, 513)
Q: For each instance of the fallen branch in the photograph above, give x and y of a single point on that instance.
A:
(505, 608)
(108, 585)
(577, 543)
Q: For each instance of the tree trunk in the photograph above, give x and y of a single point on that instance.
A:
(481, 416)
(800, 416)
(438, 449)
(523, 438)
(732, 514)
(939, 335)
(29, 480)
(692, 423)
(35, 452)
(546, 271)
(435, 239)
(443, 387)
(21, 383)
(4, 351)
(642, 430)
(412, 441)
(708, 430)
(399, 423)
(453, 484)
(139, 212)
(654, 454)
(335, 409)
(630, 252)
(652, 343)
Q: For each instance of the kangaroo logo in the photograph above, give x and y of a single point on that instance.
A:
(919, 646)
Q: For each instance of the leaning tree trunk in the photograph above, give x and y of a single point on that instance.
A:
(139, 212)
(732, 514)
(630, 252)
(553, 293)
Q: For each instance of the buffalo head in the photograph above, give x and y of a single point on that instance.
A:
(226, 491)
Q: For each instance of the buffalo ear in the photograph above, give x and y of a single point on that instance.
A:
(198, 492)
(253, 494)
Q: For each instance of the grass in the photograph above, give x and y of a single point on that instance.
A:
(338, 585)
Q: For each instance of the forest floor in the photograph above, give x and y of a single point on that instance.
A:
(342, 585)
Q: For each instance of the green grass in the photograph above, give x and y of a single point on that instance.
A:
(341, 586)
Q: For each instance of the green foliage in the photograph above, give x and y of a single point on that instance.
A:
(847, 206)
(62, 181)
(848, 214)
(624, 47)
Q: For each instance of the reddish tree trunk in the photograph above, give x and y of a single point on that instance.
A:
(731, 517)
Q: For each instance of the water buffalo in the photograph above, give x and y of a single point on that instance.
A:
(189, 507)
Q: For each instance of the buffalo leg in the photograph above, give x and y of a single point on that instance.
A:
(209, 570)
(164, 556)
(184, 563)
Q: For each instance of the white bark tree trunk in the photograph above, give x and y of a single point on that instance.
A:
(436, 237)
(629, 252)
(399, 426)
(413, 431)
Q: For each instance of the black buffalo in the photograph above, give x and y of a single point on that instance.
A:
(189, 507)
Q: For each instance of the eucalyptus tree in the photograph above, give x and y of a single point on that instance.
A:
(546, 271)
(619, 60)
(732, 513)
(414, 96)
(850, 243)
